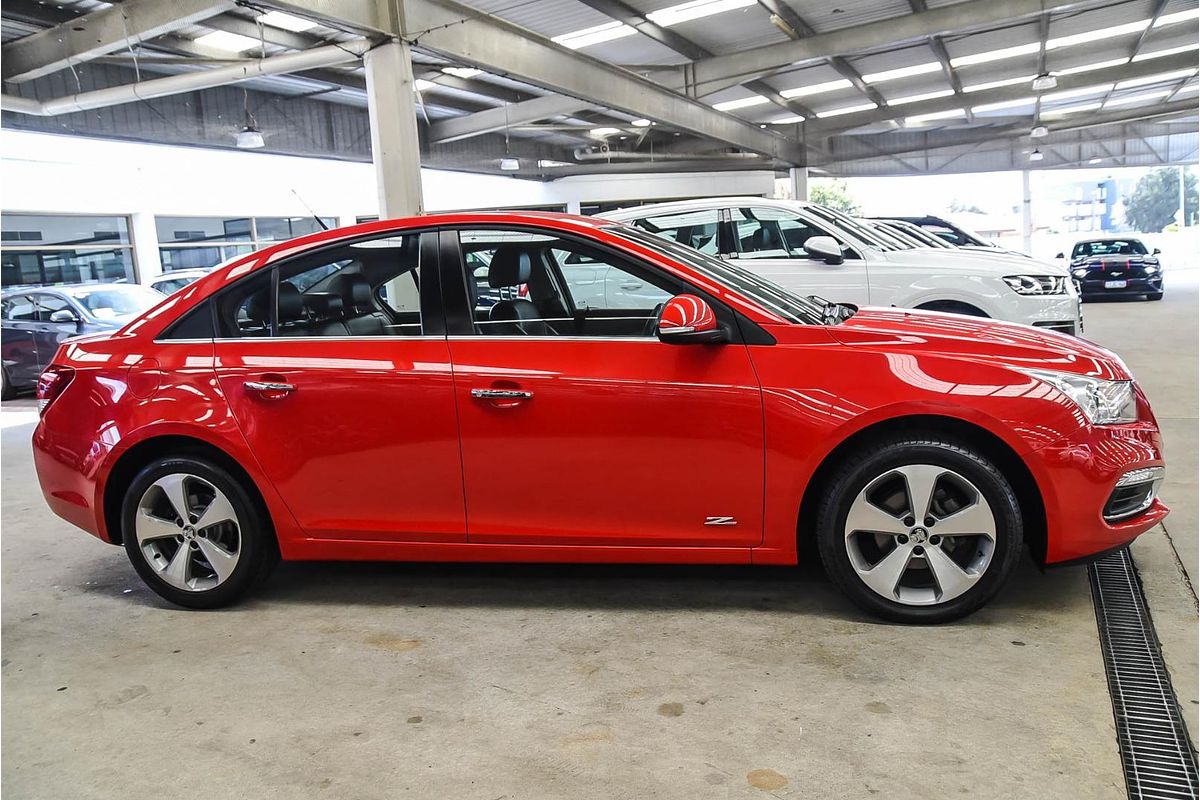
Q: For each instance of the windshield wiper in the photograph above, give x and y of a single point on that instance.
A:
(833, 313)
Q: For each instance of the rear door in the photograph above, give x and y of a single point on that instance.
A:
(19, 344)
(336, 367)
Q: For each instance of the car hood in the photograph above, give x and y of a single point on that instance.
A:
(988, 341)
(975, 261)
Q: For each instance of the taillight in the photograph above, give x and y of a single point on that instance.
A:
(51, 384)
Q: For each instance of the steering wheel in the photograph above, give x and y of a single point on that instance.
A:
(652, 323)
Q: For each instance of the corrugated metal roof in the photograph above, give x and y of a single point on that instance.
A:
(831, 15)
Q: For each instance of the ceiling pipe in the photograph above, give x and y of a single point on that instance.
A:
(316, 58)
(583, 154)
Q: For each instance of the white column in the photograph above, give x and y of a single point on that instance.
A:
(1026, 213)
(798, 176)
(395, 146)
(573, 207)
(1182, 195)
(144, 237)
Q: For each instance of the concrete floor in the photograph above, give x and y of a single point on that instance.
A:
(488, 682)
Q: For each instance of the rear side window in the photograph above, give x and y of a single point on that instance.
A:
(245, 309)
(20, 308)
(196, 324)
(694, 229)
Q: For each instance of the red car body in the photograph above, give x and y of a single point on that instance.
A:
(382, 452)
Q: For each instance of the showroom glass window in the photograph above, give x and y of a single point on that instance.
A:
(533, 284)
(202, 242)
(43, 249)
(367, 288)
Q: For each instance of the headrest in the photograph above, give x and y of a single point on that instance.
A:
(354, 289)
(324, 305)
(511, 266)
(291, 304)
(258, 307)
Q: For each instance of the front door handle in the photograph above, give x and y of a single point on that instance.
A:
(271, 390)
(501, 394)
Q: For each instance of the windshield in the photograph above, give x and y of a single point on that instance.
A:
(791, 307)
(1110, 247)
(117, 302)
(853, 226)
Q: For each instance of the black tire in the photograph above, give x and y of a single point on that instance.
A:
(870, 462)
(258, 551)
(7, 392)
(1154, 296)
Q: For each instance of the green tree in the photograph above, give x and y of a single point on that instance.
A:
(834, 194)
(1155, 200)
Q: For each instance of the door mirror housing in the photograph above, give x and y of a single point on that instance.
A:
(687, 319)
(826, 248)
(1156, 252)
(64, 315)
(1060, 255)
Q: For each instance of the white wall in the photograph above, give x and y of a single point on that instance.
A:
(44, 173)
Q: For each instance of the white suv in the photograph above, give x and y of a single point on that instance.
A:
(811, 249)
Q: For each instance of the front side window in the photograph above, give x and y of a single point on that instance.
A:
(534, 284)
(771, 233)
(365, 288)
(20, 308)
(48, 304)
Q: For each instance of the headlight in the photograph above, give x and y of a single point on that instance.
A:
(1102, 402)
(1151, 268)
(1080, 272)
(1037, 284)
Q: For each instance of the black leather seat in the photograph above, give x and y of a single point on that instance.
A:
(291, 311)
(361, 317)
(511, 266)
(325, 313)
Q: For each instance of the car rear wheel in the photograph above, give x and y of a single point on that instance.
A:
(6, 390)
(919, 529)
(194, 534)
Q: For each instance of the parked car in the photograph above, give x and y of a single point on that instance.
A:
(35, 321)
(705, 416)
(171, 282)
(1118, 266)
(915, 232)
(811, 249)
(954, 235)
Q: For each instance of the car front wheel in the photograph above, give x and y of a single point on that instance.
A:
(919, 529)
(194, 534)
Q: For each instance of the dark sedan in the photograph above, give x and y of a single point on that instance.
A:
(35, 320)
(1116, 267)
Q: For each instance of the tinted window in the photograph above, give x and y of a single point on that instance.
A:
(245, 309)
(532, 284)
(771, 233)
(695, 229)
(20, 308)
(48, 304)
(196, 324)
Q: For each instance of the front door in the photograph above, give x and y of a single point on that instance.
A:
(579, 427)
(49, 334)
(770, 242)
(338, 373)
(19, 345)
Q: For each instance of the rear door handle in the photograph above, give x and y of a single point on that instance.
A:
(501, 394)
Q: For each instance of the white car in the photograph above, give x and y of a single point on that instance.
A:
(811, 249)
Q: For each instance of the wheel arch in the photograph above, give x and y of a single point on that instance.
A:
(953, 307)
(130, 462)
(1007, 460)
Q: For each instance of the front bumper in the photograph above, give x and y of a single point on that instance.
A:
(1080, 477)
(1060, 312)
(1134, 286)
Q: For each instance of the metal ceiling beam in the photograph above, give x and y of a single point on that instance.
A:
(713, 74)
(100, 33)
(799, 28)
(366, 17)
(619, 10)
(1113, 74)
(473, 37)
(938, 45)
(498, 119)
(231, 23)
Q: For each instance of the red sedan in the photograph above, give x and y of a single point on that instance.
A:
(544, 387)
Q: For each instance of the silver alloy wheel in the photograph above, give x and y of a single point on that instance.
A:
(188, 532)
(920, 534)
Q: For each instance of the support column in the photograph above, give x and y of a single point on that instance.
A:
(395, 146)
(143, 235)
(1183, 221)
(1026, 214)
(798, 179)
(573, 207)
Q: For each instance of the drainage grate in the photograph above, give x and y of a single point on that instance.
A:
(1156, 753)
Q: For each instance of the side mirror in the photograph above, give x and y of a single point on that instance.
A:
(824, 247)
(1060, 255)
(63, 315)
(1156, 252)
(686, 319)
